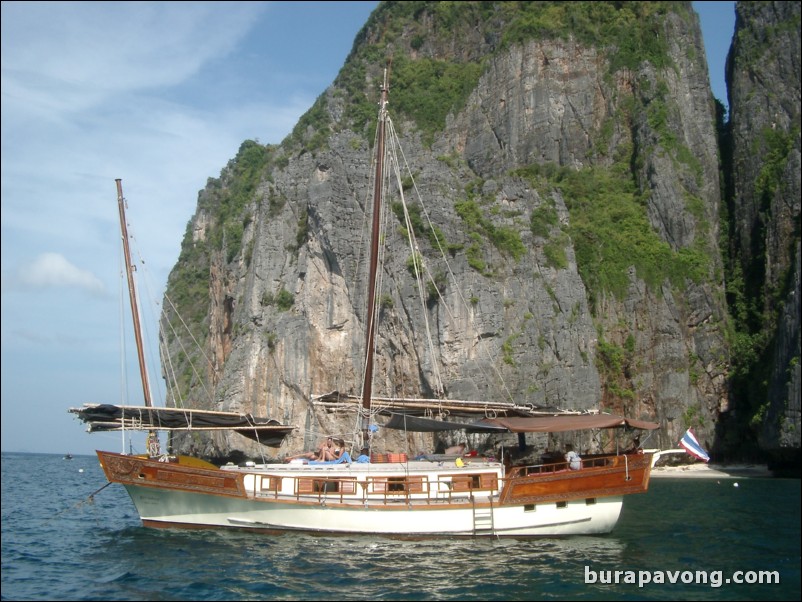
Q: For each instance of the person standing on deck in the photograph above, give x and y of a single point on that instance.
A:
(573, 459)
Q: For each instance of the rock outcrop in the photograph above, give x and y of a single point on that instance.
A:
(763, 79)
(573, 177)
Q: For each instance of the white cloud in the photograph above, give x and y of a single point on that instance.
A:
(51, 270)
(70, 56)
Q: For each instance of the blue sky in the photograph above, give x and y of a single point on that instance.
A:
(161, 95)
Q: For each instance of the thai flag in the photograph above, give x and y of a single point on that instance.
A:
(691, 445)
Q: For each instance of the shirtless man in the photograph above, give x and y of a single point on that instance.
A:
(327, 451)
(323, 453)
(457, 450)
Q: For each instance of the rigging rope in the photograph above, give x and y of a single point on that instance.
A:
(183, 348)
(90, 500)
(394, 141)
(418, 266)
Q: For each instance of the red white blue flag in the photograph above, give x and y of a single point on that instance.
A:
(691, 445)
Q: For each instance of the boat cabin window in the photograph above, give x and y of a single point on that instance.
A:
(397, 485)
(271, 484)
(470, 482)
(464, 482)
(327, 485)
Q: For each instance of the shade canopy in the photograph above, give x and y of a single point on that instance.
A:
(568, 422)
(528, 424)
(417, 424)
(107, 417)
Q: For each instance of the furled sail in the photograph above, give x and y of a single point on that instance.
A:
(108, 417)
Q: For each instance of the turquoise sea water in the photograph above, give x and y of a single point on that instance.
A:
(57, 545)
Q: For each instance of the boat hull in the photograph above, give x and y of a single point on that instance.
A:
(414, 499)
(175, 509)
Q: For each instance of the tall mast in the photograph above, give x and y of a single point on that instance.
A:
(129, 270)
(367, 386)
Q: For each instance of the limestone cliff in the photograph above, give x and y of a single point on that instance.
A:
(568, 156)
(763, 79)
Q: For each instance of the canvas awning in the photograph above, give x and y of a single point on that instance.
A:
(417, 424)
(571, 422)
(528, 424)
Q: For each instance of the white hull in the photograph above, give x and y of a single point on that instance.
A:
(178, 508)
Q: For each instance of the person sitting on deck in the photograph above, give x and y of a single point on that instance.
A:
(339, 456)
(456, 450)
(324, 453)
(364, 456)
(573, 459)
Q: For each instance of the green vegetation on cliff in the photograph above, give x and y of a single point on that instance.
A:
(611, 232)
(426, 89)
(222, 206)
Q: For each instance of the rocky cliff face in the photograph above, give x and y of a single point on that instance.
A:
(575, 183)
(763, 78)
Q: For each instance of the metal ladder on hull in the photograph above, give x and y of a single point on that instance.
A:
(482, 519)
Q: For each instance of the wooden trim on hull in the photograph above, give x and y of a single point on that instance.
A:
(602, 477)
(609, 476)
(134, 470)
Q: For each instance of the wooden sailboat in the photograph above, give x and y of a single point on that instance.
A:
(390, 495)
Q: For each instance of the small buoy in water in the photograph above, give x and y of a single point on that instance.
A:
(735, 484)
(80, 470)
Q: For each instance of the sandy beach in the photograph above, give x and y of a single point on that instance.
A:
(701, 470)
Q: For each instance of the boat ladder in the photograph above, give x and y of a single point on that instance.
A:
(482, 519)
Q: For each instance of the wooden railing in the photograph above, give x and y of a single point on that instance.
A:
(587, 462)
(594, 477)
(385, 488)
